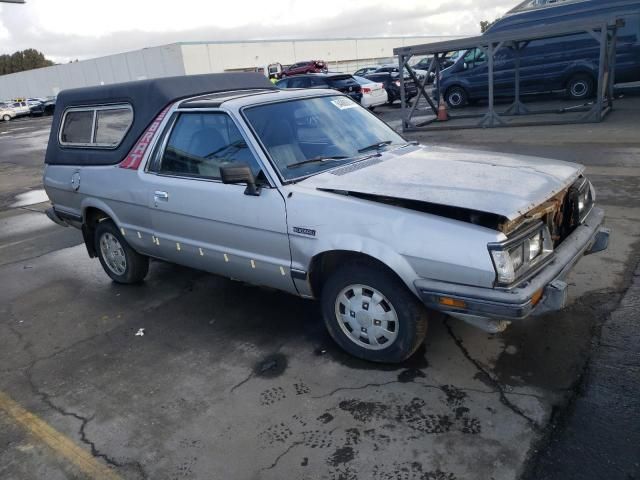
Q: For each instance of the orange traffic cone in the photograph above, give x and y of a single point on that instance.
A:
(443, 116)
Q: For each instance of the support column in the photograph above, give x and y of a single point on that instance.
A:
(491, 118)
(517, 107)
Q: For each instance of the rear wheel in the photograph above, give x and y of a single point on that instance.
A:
(121, 262)
(580, 86)
(456, 97)
(6, 118)
(371, 314)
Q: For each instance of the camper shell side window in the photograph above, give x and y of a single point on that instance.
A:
(100, 126)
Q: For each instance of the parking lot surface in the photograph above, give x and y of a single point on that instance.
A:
(189, 375)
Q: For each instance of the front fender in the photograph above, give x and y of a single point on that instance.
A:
(309, 250)
(578, 67)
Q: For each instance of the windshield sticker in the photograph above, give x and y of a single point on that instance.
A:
(343, 103)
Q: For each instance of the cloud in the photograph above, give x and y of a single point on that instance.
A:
(70, 29)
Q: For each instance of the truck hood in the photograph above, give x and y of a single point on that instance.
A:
(506, 185)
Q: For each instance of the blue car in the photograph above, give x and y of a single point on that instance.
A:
(568, 64)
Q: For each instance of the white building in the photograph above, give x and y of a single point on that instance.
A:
(187, 58)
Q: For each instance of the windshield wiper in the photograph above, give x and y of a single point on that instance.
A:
(375, 146)
(317, 160)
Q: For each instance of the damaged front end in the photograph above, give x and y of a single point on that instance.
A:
(484, 219)
(541, 247)
(562, 213)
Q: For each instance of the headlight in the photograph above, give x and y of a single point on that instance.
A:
(520, 254)
(585, 199)
(535, 245)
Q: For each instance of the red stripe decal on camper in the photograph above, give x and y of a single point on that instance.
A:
(134, 157)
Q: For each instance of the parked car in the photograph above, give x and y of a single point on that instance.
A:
(364, 71)
(391, 83)
(49, 106)
(307, 192)
(21, 108)
(36, 108)
(373, 93)
(566, 64)
(342, 82)
(7, 113)
(311, 66)
(392, 68)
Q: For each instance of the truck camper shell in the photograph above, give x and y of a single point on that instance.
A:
(147, 99)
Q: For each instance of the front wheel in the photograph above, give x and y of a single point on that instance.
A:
(580, 86)
(121, 262)
(456, 97)
(6, 118)
(371, 314)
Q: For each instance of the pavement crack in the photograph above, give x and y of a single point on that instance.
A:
(277, 459)
(27, 347)
(424, 385)
(288, 449)
(253, 372)
(239, 384)
(359, 387)
(499, 388)
(84, 421)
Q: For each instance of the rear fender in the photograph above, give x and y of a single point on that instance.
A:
(88, 231)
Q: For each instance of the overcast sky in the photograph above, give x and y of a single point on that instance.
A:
(70, 29)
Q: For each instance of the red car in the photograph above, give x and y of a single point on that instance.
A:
(310, 66)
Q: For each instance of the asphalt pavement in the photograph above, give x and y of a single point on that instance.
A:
(191, 375)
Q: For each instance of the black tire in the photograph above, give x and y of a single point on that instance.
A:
(411, 315)
(580, 86)
(456, 97)
(6, 118)
(136, 265)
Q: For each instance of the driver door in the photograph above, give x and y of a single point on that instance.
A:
(200, 222)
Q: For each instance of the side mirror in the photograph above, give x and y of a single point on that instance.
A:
(240, 173)
(465, 65)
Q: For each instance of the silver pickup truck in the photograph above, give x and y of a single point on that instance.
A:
(307, 192)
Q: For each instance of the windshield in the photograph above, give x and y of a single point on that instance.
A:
(307, 136)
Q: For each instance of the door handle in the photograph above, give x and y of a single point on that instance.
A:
(158, 195)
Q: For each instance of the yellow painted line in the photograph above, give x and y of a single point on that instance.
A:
(55, 440)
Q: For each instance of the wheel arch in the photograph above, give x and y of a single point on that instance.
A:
(580, 70)
(94, 212)
(324, 263)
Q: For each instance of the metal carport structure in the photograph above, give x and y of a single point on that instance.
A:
(602, 29)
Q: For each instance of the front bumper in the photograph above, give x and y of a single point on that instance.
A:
(544, 292)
